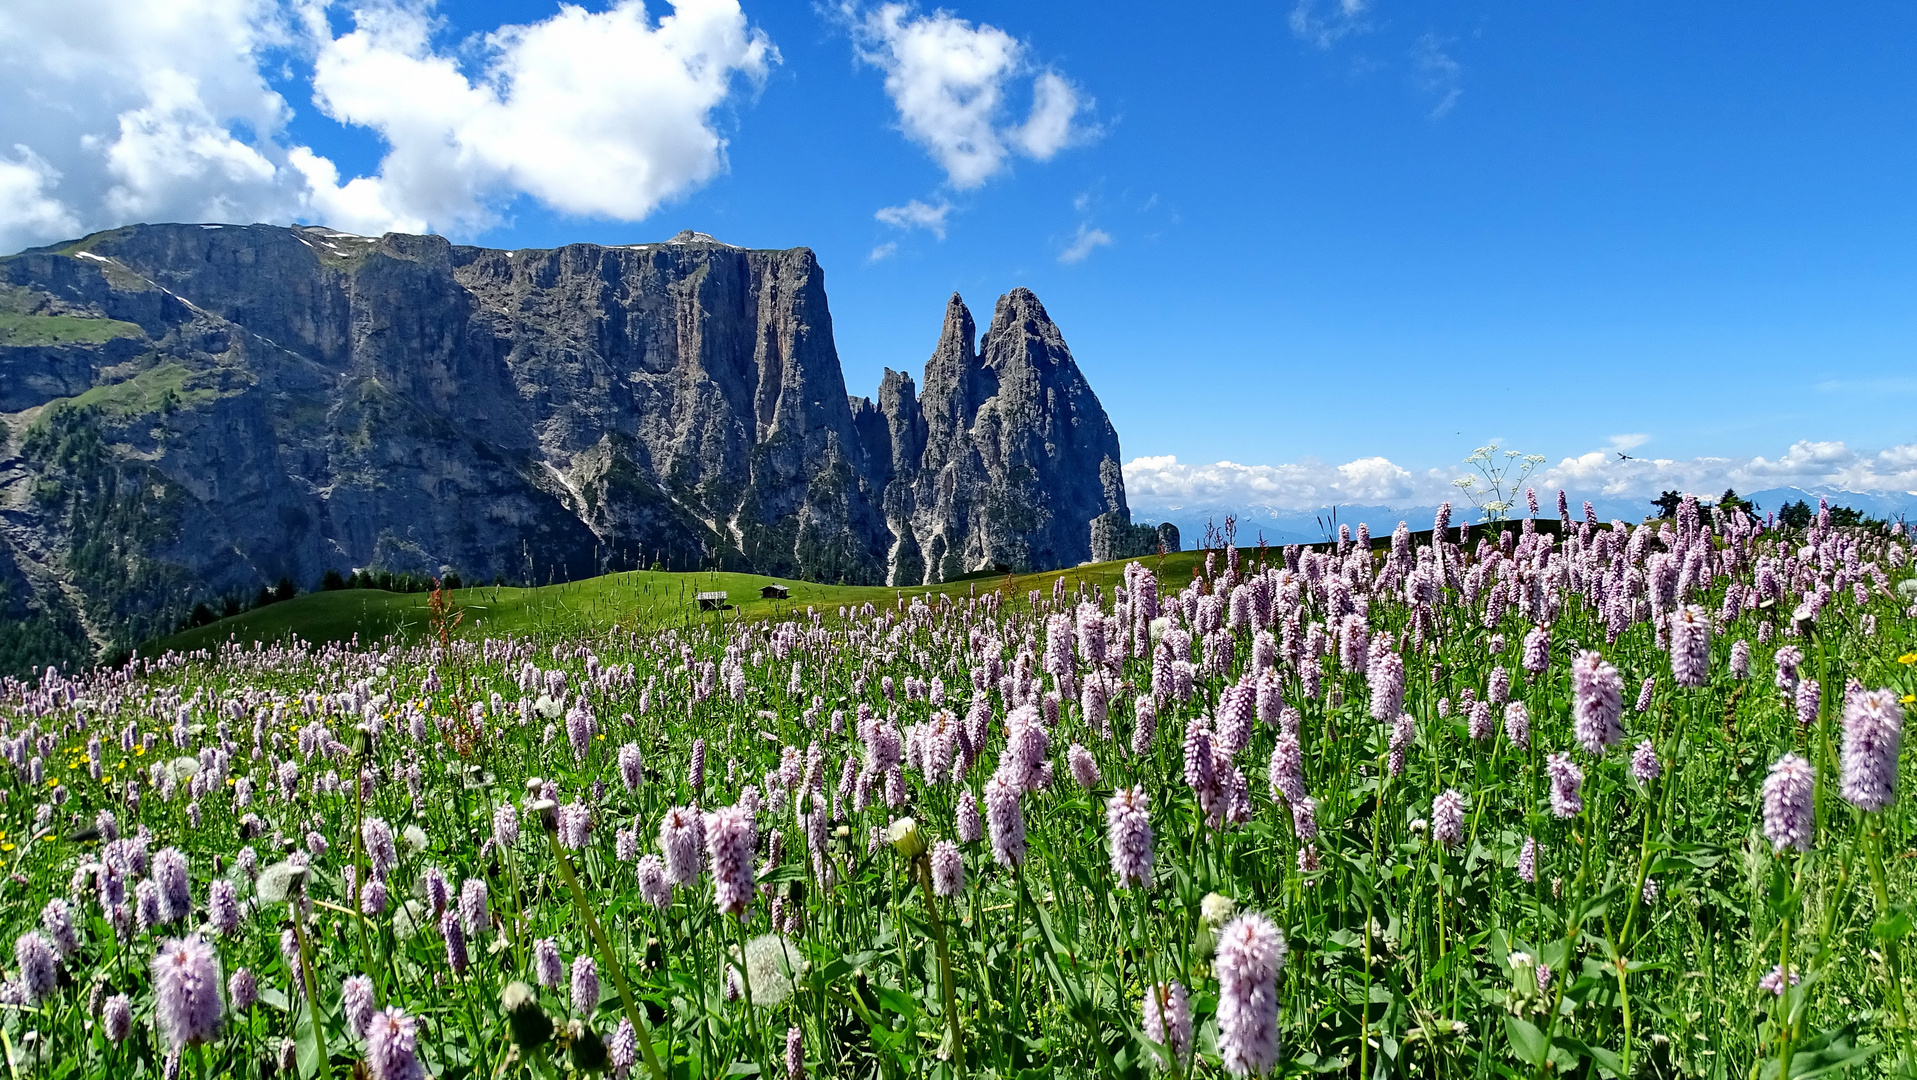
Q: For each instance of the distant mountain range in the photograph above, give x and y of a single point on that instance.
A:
(195, 412)
(1290, 526)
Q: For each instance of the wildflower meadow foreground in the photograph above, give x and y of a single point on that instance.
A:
(1594, 800)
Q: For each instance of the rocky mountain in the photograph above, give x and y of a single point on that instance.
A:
(1004, 457)
(194, 412)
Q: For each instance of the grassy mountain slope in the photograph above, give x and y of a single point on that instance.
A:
(646, 598)
(637, 598)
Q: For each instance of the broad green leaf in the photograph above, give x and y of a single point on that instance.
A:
(1526, 1040)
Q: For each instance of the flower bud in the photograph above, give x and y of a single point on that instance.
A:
(588, 1049)
(524, 1018)
(905, 838)
(546, 811)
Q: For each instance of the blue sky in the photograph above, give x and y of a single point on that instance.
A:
(1333, 233)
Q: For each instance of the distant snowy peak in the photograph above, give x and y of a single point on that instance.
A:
(1888, 505)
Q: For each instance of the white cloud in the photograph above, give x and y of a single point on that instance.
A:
(1374, 479)
(1828, 465)
(1161, 485)
(1435, 72)
(174, 152)
(595, 113)
(1087, 241)
(1347, 17)
(1049, 128)
(883, 251)
(948, 80)
(28, 211)
(916, 215)
(130, 110)
(357, 206)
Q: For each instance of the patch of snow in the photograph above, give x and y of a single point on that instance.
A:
(91, 255)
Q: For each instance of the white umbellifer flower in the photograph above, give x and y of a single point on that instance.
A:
(415, 837)
(1217, 910)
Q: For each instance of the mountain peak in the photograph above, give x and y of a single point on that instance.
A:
(689, 236)
(291, 401)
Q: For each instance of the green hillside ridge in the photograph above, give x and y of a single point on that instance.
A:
(633, 599)
(656, 598)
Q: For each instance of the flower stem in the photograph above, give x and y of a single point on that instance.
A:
(312, 999)
(952, 1048)
(1893, 966)
(606, 957)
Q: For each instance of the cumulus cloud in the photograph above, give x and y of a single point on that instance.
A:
(1164, 485)
(1087, 241)
(1816, 466)
(127, 110)
(603, 114)
(949, 80)
(1160, 484)
(1049, 128)
(916, 215)
(123, 110)
(26, 208)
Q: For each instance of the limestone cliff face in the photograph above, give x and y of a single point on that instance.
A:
(195, 411)
(1005, 457)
